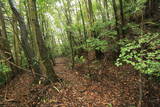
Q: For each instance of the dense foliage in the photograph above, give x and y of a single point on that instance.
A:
(143, 53)
(4, 70)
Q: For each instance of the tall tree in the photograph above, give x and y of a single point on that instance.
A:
(91, 34)
(43, 50)
(31, 18)
(5, 49)
(69, 32)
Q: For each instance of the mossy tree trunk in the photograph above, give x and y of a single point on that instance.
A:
(43, 50)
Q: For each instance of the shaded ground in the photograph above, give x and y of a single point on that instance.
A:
(101, 86)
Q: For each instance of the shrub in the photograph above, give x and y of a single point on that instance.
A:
(4, 69)
(80, 59)
(143, 53)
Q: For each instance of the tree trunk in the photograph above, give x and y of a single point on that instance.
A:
(17, 51)
(116, 17)
(44, 53)
(106, 8)
(83, 22)
(31, 19)
(91, 34)
(68, 31)
(91, 14)
(140, 91)
(122, 16)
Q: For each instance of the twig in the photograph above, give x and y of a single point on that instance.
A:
(11, 100)
(5, 60)
(56, 89)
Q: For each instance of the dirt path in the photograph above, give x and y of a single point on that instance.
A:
(116, 87)
(81, 91)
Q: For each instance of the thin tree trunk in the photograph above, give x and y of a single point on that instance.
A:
(122, 17)
(116, 17)
(4, 43)
(107, 9)
(17, 51)
(68, 31)
(91, 14)
(83, 22)
(140, 75)
(27, 10)
(140, 90)
(91, 34)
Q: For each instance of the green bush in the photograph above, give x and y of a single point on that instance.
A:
(96, 44)
(4, 69)
(80, 59)
(103, 36)
(143, 53)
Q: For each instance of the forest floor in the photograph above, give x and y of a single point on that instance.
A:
(101, 86)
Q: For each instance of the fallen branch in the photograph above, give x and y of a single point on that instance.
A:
(19, 67)
(11, 100)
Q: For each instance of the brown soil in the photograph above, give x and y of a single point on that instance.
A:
(100, 86)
